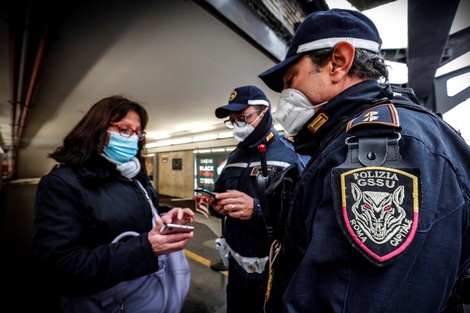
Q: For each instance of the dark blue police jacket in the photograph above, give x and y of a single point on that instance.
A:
(337, 273)
(249, 237)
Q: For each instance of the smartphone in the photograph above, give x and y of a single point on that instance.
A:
(176, 228)
(208, 192)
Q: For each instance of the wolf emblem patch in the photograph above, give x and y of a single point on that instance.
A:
(379, 210)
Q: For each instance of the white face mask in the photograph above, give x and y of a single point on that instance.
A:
(293, 110)
(241, 132)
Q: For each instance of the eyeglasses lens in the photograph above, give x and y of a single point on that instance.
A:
(127, 131)
(240, 121)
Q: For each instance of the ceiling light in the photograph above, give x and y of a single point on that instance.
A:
(157, 135)
(202, 151)
(205, 137)
(225, 135)
(180, 141)
(218, 150)
(156, 144)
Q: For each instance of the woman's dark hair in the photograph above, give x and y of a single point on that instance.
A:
(366, 64)
(87, 138)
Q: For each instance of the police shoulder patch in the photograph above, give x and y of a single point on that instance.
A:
(383, 114)
(379, 210)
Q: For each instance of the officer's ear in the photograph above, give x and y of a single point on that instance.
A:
(341, 60)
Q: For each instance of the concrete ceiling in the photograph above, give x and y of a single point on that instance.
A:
(172, 56)
(175, 57)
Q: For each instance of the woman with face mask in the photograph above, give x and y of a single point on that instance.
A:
(240, 202)
(88, 204)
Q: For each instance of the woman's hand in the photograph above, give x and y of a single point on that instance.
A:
(166, 243)
(178, 216)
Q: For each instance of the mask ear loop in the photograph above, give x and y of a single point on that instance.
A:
(260, 116)
(263, 113)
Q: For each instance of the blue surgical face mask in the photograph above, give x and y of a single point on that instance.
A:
(121, 149)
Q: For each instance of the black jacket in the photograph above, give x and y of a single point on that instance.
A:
(78, 212)
(340, 272)
(249, 238)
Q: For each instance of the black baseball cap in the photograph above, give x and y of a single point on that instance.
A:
(324, 29)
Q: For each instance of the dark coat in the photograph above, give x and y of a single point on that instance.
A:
(249, 238)
(334, 276)
(78, 212)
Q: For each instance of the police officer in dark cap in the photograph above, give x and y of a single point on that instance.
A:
(239, 199)
(383, 208)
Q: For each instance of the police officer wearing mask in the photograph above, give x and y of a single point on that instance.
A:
(238, 200)
(384, 204)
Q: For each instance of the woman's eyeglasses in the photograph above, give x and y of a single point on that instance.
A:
(240, 120)
(127, 131)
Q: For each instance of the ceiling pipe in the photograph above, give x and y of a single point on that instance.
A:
(34, 81)
(14, 76)
(17, 49)
(24, 79)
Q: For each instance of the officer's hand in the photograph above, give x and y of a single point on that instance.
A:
(235, 204)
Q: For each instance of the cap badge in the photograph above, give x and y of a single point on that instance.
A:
(232, 95)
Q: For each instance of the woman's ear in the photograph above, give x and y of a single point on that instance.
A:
(341, 60)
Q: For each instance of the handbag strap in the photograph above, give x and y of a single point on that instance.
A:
(154, 214)
(152, 207)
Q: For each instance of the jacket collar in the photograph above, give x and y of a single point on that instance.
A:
(98, 170)
(329, 120)
(266, 139)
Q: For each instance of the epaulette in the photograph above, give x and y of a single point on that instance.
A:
(383, 114)
(269, 136)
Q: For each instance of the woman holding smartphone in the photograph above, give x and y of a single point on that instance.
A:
(97, 221)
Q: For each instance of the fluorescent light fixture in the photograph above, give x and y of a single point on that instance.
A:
(162, 143)
(182, 140)
(157, 135)
(225, 135)
(218, 150)
(151, 145)
(199, 128)
(205, 137)
(223, 149)
(202, 151)
(196, 127)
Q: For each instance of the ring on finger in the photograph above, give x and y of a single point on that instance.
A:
(233, 206)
